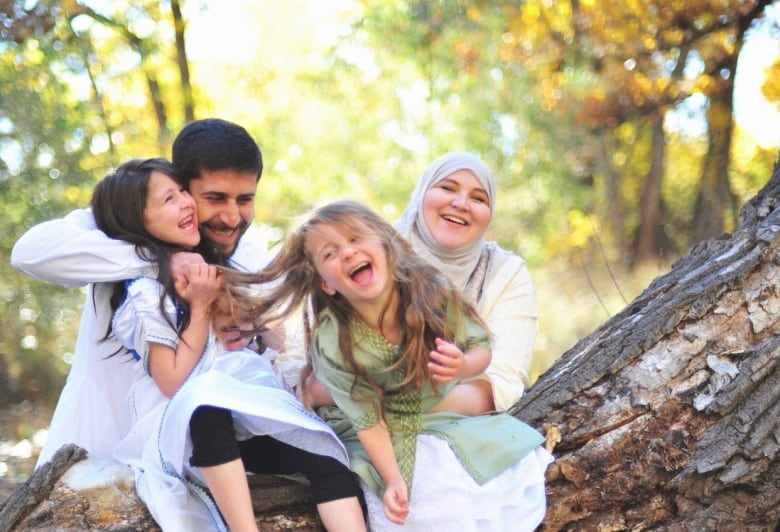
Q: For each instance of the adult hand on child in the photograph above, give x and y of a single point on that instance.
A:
(447, 362)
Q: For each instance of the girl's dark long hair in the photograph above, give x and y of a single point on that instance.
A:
(118, 203)
(427, 302)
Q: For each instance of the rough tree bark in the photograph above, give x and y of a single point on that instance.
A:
(668, 415)
(665, 418)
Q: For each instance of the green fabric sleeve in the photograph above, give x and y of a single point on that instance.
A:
(330, 368)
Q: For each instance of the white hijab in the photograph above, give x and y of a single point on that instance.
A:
(459, 263)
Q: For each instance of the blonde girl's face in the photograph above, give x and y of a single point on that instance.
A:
(457, 210)
(170, 214)
(350, 261)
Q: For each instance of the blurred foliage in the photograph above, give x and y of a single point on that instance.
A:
(355, 98)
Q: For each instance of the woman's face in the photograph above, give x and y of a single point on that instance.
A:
(456, 210)
(169, 214)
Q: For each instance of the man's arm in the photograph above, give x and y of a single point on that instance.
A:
(72, 251)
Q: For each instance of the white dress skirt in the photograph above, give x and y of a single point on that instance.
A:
(445, 497)
(158, 446)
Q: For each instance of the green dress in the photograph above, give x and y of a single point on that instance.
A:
(485, 445)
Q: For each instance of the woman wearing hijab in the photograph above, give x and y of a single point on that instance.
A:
(445, 221)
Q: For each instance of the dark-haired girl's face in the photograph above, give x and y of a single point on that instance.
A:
(170, 213)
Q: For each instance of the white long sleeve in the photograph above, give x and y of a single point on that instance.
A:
(508, 307)
(72, 251)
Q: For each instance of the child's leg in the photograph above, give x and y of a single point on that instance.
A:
(342, 514)
(470, 398)
(228, 485)
(335, 489)
(216, 453)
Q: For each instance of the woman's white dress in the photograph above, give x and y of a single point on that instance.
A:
(158, 446)
(445, 497)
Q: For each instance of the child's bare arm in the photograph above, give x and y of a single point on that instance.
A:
(170, 368)
(379, 448)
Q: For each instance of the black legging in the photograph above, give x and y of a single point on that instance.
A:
(214, 443)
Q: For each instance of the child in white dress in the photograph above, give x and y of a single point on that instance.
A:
(202, 416)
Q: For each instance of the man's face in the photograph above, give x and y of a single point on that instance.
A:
(226, 205)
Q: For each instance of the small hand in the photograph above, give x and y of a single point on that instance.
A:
(446, 362)
(396, 501)
(200, 285)
(180, 263)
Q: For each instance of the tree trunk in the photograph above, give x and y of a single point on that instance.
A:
(183, 63)
(650, 242)
(715, 201)
(667, 417)
(77, 491)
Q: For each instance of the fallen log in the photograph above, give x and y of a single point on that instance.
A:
(83, 492)
(668, 415)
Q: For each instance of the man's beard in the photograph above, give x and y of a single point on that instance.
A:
(213, 253)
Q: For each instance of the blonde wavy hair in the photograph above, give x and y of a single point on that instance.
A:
(429, 306)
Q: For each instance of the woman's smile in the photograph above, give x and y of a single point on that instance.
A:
(456, 210)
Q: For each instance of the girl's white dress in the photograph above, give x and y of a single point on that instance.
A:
(158, 446)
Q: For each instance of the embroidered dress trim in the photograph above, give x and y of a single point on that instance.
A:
(404, 419)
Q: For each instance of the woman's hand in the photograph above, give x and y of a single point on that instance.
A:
(396, 501)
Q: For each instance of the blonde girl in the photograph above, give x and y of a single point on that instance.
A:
(390, 338)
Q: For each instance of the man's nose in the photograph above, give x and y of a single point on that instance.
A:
(231, 215)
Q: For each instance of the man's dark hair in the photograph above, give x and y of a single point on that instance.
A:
(215, 144)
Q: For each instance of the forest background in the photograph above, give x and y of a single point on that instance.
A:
(621, 133)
